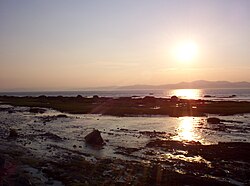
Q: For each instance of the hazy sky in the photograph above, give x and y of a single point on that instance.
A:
(63, 44)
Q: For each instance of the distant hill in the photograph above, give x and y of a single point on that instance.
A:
(193, 84)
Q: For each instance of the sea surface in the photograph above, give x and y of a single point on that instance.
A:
(212, 94)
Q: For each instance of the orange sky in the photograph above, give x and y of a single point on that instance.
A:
(56, 45)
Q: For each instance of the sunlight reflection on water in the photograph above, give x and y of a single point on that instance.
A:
(187, 93)
(186, 130)
(196, 159)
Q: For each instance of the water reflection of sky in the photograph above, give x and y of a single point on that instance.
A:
(187, 131)
(187, 93)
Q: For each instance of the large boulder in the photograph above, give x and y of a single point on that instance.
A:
(94, 138)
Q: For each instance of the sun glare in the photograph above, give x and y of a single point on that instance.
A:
(186, 51)
(187, 93)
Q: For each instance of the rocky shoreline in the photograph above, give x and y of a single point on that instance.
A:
(33, 153)
(227, 160)
(129, 106)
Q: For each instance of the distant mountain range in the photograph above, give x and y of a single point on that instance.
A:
(193, 84)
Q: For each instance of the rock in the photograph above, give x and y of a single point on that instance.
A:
(37, 110)
(213, 120)
(94, 138)
(174, 99)
(52, 136)
(11, 111)
(13, 133)
(79, 97)
(61, 116)
(95, 96)
(207, 96)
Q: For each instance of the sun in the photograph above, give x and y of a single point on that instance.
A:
(186, 51)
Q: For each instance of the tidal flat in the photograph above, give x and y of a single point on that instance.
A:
(131, 106)
(42, 142)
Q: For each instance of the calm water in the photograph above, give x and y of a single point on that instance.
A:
(121, 131)
(216, 94)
